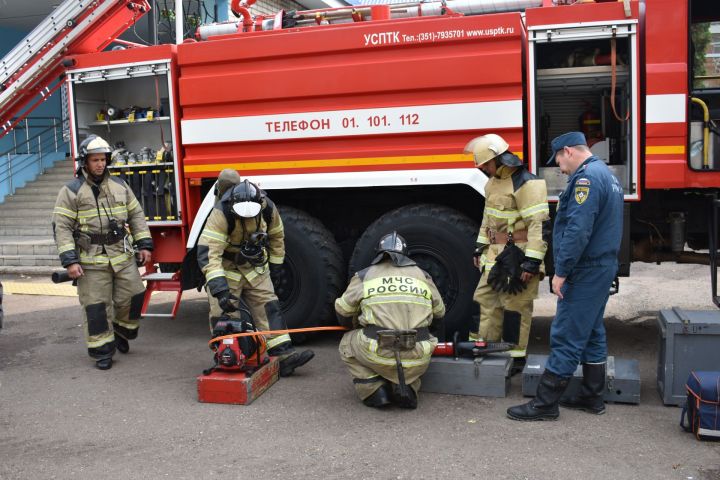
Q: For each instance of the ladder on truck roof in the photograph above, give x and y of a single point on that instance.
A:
(34, 67)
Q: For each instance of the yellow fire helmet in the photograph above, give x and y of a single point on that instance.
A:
(485, 148)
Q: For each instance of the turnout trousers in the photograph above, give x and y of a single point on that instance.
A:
(111, 304)
(504, 317)
(577, 334)
(262, 301)
(371, 366)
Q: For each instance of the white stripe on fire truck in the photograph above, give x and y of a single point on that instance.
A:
(366, 121)
(668, 108)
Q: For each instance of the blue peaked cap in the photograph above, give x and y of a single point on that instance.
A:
(569, 139)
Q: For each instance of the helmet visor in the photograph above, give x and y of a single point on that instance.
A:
(246, 209)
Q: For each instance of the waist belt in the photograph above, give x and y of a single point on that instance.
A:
(502, 237)
(370, 331)
(103, 238)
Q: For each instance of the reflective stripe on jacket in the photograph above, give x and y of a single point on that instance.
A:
(392, 297)
(214, 241)
(515, 200)
(86, 207)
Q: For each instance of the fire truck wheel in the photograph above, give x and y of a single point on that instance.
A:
(441, 240)
(312, 275)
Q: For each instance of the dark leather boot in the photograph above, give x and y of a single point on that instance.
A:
(545, 404)
(290, 363)
(104, 363)
(379, 398)
(122, 345)
(590, 398)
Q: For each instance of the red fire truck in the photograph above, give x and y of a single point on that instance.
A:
(354, 121)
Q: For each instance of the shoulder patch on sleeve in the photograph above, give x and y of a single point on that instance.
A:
(581, 194)
(582, 181)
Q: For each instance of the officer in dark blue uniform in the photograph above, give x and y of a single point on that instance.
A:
(586, 241)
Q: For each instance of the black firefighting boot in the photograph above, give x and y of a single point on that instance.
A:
(380, 397)
(289, 358)
(545, 404)
(590, 398)
(104, 363)
(122, 345)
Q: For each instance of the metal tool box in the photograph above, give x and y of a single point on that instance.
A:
(622, 380)
(487, 376)
(689, 340)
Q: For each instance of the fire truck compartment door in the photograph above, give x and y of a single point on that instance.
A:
(594, 79)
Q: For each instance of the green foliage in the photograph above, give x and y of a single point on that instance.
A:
(701, 37)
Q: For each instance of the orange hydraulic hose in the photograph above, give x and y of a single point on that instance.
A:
(275, 332)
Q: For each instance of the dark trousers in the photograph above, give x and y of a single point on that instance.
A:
(577, 334)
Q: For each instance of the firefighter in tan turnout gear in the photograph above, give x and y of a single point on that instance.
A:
(97, 221)
(241, 244)
(510, 245)
(391, 305)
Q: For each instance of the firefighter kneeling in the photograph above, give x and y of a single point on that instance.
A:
(241, 243)
(390, 304)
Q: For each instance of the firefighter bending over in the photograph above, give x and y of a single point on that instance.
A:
(390, 305)
(510, 245)
(91, 219)
(240, 245)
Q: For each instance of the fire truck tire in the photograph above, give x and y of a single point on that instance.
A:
(441, 240)
(313, 273)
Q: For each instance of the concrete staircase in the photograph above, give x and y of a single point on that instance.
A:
(26, 239)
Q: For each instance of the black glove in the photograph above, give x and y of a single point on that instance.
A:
(275, 272)
(505, 274)
(225, 299)
(531, 265)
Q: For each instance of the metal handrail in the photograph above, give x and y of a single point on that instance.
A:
(26, 126)
(45, 144)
